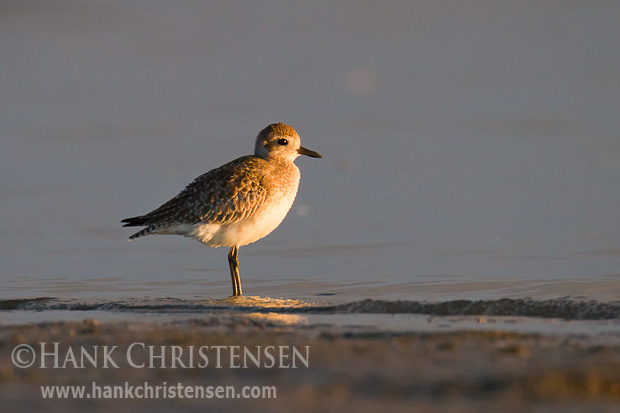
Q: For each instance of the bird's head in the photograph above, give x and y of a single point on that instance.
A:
(280, 141)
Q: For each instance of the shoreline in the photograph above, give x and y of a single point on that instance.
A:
(352, 366)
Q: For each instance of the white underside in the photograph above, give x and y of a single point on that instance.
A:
(243, 232)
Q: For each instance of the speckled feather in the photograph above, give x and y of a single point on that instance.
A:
(239, 202)
(222, 196)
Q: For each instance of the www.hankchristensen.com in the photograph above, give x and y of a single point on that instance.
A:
(161, 391)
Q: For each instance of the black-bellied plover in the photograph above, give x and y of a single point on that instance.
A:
(239, 202)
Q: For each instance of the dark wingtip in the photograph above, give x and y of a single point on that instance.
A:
(134, 222)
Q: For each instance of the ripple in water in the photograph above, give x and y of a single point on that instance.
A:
(564, 309)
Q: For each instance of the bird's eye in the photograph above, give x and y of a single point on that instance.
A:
(282, 141)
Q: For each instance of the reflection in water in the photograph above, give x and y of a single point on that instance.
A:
(278, 318)
(289, 312)
(244, 304)
(264, 302)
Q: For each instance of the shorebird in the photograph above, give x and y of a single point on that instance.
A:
(236, 204)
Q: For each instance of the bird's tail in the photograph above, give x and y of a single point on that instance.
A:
(136, 222)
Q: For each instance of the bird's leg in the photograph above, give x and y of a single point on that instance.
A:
(233, 262)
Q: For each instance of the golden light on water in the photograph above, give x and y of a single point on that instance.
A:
(266, 302)
(277, 318)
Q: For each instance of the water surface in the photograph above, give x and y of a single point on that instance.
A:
(470, 151)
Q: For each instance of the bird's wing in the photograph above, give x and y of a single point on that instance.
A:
(220, 196)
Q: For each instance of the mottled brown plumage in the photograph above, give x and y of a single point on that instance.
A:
(221, 196)
(237, 203)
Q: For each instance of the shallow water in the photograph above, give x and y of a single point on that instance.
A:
(367, 318)
(470, 152)
(562, 309)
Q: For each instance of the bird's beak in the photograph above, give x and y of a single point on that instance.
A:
(308, 152)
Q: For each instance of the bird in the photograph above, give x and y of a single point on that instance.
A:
(236, 204)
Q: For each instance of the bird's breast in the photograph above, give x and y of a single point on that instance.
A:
(281, 195)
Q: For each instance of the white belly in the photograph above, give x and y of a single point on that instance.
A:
(248, 230)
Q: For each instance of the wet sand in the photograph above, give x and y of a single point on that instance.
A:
(351, 368)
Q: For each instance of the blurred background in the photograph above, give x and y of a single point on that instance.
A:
(471, 149)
